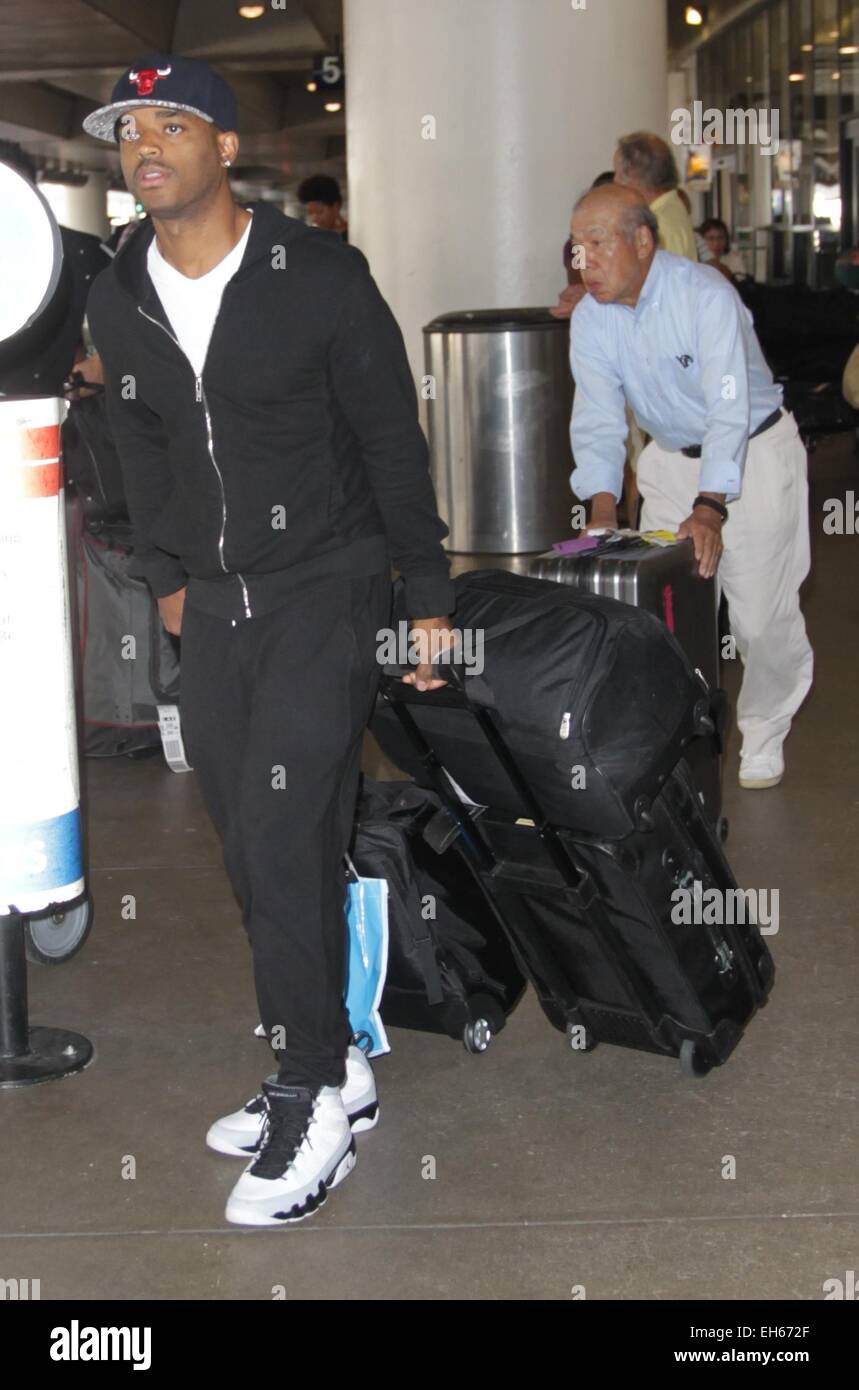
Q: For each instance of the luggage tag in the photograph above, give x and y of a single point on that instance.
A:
(170, 728)
(576, 546)
(594, 540)
(660, 538)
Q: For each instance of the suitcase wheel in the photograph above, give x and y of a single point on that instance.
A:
(692, 1062)
(477, 1035)
(487, 1019)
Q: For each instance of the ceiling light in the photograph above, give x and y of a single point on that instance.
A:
(693, 15)
(251, 11)
(848, 48)
(333, 106)
(311, 86)
(796, 77)
(807, 48)
(836, 77)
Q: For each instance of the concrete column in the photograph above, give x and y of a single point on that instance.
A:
(81, 209)
(473, 125)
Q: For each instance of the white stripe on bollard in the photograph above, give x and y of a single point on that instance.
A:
(40, 831)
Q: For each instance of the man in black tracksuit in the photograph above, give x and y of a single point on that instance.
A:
(270, 489)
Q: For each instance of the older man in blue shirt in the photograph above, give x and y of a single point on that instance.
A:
(725, 466)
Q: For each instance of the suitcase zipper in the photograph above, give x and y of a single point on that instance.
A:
(200, 395)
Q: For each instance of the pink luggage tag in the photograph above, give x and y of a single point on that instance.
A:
(577, 545)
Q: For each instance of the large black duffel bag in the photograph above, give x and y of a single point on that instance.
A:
(596, 696)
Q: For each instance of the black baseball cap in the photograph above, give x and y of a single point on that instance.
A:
(164, 79)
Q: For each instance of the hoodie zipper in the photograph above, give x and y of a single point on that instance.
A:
(200, 395)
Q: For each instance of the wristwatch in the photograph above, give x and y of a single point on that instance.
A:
(711, 502)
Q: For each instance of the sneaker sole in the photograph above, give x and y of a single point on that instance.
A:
(759, 784)
(360, 1121)
(246, 1214)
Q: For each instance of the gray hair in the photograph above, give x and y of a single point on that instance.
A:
(639, 215)
(648, 160)
(631, 216)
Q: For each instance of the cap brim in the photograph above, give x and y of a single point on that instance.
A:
(102, 123)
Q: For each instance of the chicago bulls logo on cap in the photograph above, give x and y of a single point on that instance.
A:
(145, 80)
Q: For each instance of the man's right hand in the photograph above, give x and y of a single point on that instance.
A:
(170, 607)
(603, 513)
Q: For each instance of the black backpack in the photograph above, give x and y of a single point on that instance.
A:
(91, 463)
(450, 968)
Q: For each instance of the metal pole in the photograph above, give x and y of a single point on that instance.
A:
(13, 988)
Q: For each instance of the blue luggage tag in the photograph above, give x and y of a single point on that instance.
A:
(367, 917)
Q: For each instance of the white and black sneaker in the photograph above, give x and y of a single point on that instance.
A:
(238, 1134)
(306, 1149)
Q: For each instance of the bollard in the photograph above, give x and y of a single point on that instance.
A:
(41, 862)
(29, 1055)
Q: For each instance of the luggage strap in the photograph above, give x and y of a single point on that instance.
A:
(424, 950)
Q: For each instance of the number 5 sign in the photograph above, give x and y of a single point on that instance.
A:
(329, 70)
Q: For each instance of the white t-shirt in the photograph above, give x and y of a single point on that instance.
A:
(192, 305)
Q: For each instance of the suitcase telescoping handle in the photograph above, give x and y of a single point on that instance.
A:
(478, 690)
(470, 693)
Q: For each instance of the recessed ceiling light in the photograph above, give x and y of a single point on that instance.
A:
(333, 106)
(251, 11)
(836, 77)
(311, 86)
(796, 77)
(848, 48)
(693, 15)
(807, 48)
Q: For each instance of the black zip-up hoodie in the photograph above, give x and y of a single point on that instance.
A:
(296, 454)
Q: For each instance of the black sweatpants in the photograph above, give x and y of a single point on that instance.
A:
(273, 712)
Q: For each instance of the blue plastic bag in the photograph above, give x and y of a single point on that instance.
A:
(367, 916)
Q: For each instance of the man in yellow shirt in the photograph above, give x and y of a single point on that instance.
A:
(644, 162)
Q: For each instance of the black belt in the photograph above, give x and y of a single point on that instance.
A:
(694, 450)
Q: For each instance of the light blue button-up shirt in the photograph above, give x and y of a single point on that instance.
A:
(688, 361)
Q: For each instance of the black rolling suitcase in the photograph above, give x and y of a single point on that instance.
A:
(590, 913)
(664, 581)
(450, 966)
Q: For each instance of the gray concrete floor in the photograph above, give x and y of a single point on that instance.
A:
(552, 1171)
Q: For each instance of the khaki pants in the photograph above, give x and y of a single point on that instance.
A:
(766, 558)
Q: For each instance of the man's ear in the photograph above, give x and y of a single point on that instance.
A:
(228, 146)
(644, 243)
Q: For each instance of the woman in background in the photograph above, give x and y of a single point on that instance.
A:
(718, 254)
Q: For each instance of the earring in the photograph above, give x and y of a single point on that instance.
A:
(226, 163)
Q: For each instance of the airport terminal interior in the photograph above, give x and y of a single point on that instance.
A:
(449, 144)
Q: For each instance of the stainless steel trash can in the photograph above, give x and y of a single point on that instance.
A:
(499, 428)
